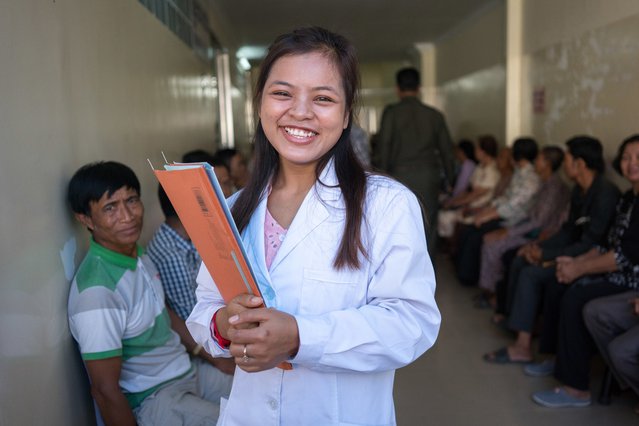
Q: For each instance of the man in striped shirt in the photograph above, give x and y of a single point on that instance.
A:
(139, 371)
(178, 261)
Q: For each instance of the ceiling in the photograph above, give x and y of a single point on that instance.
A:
(382, 30)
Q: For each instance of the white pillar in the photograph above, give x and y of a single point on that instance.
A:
(227, 135)
(428, 62)
(514, 68)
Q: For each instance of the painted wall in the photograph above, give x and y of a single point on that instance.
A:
(80, 81)
(583, 62)
(470, 63)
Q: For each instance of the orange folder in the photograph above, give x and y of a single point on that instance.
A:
(191, 190)
(199, 202)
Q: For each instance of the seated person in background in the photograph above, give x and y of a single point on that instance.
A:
(221, 170)
(546, 216)
(613, 323)
(592, 208)
(465, 156)
(506, 171)
(178, 262)
(507, 210)
(139, 371)
(602, 271)
(482, 184)
(236, 163)
(361, 146)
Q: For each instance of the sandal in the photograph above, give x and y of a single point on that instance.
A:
(501, 356)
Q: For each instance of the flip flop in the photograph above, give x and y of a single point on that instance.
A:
(500, 356)
(482, 303)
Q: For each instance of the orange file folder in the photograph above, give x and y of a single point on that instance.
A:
(192, 193)
(199, 202)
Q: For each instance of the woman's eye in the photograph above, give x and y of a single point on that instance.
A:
(280, 93)
(324, 99)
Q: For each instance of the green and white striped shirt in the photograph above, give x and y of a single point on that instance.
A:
(116, 309)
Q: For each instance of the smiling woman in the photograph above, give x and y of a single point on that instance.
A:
(353, 282)
(303, 109)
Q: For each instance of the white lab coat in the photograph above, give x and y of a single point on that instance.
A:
(355, 326)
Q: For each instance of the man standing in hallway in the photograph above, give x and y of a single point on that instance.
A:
(415, 146)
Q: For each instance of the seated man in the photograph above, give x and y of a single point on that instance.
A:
(592, 208)
(613, 323)
(606, 270)
(139, 371)
(178, 261)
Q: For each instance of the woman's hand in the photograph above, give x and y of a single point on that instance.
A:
(238, 304)
(568, 269)
(275, 339)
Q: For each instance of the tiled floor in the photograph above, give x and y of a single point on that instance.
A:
(452, 385)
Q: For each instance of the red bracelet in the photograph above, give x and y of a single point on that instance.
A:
(215, 333)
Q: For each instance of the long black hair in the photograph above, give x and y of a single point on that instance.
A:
(350, 173)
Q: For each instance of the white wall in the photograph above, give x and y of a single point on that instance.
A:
(80, 81)
(471, 76)
(584, 56)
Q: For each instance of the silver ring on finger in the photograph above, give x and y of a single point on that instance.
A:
(245, 357)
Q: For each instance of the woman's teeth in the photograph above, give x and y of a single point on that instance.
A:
(299, 132)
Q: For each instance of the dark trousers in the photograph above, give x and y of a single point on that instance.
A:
(501, 290)
(564, 331)
(526, 290)
(467, 261)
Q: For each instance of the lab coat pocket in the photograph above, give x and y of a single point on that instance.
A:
(324, 291)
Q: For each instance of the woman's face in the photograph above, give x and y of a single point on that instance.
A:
(481, 156)
(630, 163)
(541, 164)
(504, 159)
(303, 107)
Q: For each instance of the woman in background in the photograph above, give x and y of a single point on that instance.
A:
(465, 154)
(482, 185)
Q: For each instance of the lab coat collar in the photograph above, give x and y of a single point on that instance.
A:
(313, 212)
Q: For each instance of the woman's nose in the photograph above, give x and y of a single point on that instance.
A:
(301, 108)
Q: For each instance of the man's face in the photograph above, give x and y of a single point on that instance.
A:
(116, 221)
(570, 166)
(223, 177)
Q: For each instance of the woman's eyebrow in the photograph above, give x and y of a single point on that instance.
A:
(280, 83)
(317, 88)
(329, 88)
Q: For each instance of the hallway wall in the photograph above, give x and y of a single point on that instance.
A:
(80, 81)
(471, 74)
(583, 63)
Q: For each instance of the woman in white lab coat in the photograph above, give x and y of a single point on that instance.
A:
(340, 256)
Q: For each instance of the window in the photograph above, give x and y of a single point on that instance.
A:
(189, 21)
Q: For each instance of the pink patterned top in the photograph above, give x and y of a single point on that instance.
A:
(273, 236)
